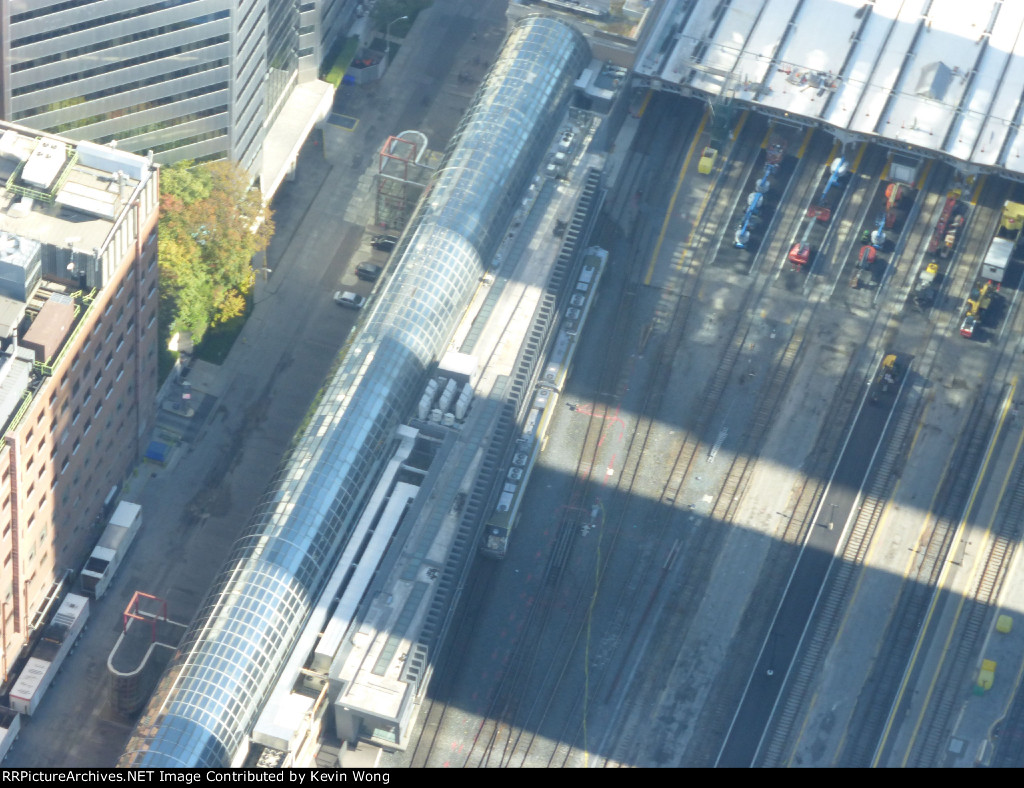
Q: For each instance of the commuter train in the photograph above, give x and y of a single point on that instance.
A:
(548, 388)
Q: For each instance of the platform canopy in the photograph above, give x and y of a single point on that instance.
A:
(940, 76)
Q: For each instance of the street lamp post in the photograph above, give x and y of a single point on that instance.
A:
(387, 37)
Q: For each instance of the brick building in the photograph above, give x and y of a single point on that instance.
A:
(78, 356)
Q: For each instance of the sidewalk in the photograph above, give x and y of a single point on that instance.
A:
(247, 410)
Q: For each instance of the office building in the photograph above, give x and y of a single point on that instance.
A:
(186, 79)
(78, 356)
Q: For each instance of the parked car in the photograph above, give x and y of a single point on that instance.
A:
(369, 271)
(349, 299)
(384, 243)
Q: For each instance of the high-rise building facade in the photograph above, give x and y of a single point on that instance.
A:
(78, 357)
(186, 79)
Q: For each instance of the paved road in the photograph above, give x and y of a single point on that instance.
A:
(195, 507)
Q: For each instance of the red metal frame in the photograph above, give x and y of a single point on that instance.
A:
(131, 612)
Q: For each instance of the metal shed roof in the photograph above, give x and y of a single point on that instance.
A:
(942, 76)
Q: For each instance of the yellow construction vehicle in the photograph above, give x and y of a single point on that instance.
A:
(977, 302)
(888, 375)
(888, 372)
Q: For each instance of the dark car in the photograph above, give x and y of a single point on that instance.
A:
(369, 272)
(384, 243)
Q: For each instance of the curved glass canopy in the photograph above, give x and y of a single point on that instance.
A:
(218, 681)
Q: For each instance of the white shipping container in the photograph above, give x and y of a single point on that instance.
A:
(996, 259)
(31, 684)
(56, 643)
(106, 557)
(10, 727)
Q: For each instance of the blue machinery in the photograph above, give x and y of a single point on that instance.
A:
(755, 200)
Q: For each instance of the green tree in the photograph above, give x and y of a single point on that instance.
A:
(188, 185)
(211, 224)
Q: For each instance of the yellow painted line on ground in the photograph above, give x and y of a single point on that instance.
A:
(858, 157)
(924, 174)
(739, 124)
(675, 194)
(833, 153)
(943, 574)
(982, 544)
(693, 231)
(803, 145)
(978, 186)
(867, 560)
(646, 101)
(767, 136)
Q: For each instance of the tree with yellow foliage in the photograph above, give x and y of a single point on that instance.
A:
(212, 223)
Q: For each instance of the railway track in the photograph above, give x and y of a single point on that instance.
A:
(935, 734)
(977, 610)
(874, 709)
(839, 586)
(806, 499)
(523, 743)
(496, 739)
(517, 741)
(776, 748)
(529, 721)
(877, 337)
(873, 716)
(703, 546)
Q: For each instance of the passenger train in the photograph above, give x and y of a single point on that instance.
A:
(549, 386)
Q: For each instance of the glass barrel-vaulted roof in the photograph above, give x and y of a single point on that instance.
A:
(218, 680)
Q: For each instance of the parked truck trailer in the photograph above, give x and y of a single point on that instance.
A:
(106, 557)
(57, 641)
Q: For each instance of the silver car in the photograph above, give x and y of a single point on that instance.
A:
(349, 299)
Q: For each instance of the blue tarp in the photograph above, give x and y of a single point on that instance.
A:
(157, 451)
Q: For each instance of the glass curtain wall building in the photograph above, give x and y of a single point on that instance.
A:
(187, 79)
(215, 686)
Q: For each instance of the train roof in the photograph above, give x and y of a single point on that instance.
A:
(939, 76)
